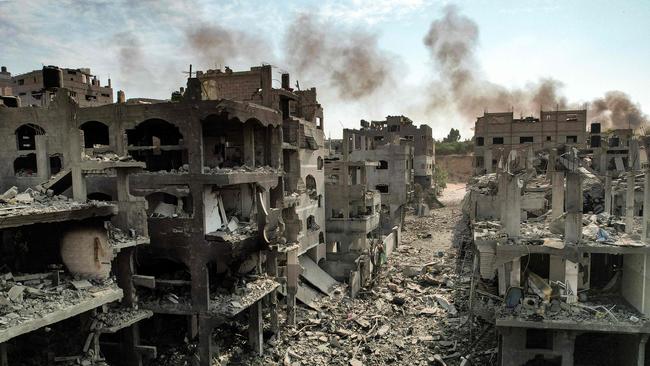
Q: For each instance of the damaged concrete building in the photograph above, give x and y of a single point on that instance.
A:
(405, 155)
(495, 134)
(227, 181)
(571, 280)
(32, 88)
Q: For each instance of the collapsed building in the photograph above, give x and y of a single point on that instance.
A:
(570, 275)
(226, 185)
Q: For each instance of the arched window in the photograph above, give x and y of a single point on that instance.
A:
(95, 133)
(383, 164)
(310, 181)
(26, 136)
(319, 163)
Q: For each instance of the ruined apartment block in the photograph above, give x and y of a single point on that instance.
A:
(30, 87)
(495, 134)
(353, 226)
(392, 177)
(571, 271)
(227, 181)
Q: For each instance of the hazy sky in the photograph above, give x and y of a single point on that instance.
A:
(591, 47)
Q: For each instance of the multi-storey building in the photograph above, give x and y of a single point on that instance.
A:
(420, 138)
(353, 209)
(230, 197)
(393, 175)
(31, 87)
(495, 134)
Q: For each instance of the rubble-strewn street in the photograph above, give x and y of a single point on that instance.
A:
(415, 313)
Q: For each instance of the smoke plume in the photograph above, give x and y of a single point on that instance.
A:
(349, 61)
(452, 42)
(616, 110)
(216, 45)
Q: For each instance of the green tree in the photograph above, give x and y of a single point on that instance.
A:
(453, 136)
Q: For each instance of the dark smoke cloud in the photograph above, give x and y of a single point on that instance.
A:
(348, 60)
(216, 45)
(452, 42)
(616, 110)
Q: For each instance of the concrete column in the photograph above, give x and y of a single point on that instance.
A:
(573, 227)
(205, 341)
(42, 158)
(272, 270)
(75, 150)
(249, 145)
(346, 147)
(643, 340)
(646, 206)
(200, 287)
(502, 185)
(256, 328)
(292, 285)
(487, 160)
(515, 273)
(557, 201)
(565, 343)
(608, 192)
(629, 203)
(603, 161)
(512, 222)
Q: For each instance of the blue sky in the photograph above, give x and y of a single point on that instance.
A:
(590, 46)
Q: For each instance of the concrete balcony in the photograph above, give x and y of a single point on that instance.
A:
(364, 224)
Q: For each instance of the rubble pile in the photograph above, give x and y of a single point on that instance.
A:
(232, 302)
(32, 296)
(240, 169)
(416, 313)
(484, 184)
(107, 157)
(38, 200)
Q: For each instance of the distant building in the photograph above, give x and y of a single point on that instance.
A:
(495, 134)
(30, 87)
(420, 137)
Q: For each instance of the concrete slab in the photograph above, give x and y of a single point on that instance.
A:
(317, 276)
(308, 296)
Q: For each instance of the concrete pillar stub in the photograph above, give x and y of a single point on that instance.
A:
(512, 220)
(487, 160)
(79, 193)
(608, 192)
(573, 226)
(557, 200)
(629, 203)
(42, 158)
(646, 206)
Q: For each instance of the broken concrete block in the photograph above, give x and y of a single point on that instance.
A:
(450, 308)
(24, 198)
(81, 284)
(15, 293)
(10, 193)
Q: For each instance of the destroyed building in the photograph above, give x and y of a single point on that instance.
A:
(30, 88)
(393, 176)
(495, 134)
(353, 210)
(572, 281)
(232, 174)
